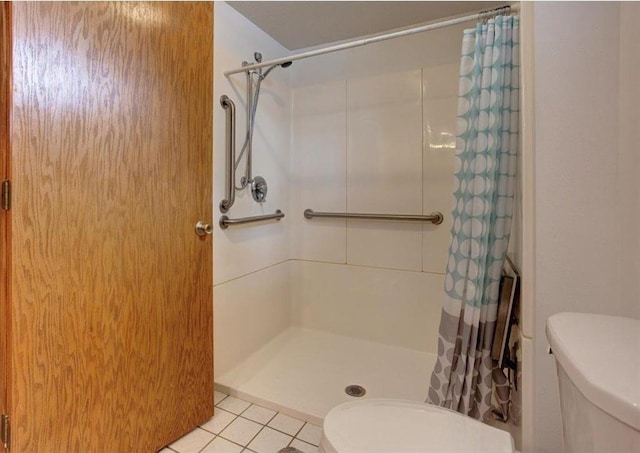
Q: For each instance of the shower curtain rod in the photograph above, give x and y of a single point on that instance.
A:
(372, 40)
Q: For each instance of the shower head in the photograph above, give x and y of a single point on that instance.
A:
(286, 64)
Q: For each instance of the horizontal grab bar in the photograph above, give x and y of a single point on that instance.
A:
(435, 217)
(226, 222)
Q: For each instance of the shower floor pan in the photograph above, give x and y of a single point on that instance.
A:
(304, 373)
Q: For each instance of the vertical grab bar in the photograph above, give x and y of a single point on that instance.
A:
(250, 119)
(230, 187)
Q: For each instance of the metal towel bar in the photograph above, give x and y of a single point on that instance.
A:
(226, 222)
(435, 217)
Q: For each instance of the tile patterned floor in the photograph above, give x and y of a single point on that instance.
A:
(242, 427)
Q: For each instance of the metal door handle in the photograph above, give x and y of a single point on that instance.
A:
(203, 228)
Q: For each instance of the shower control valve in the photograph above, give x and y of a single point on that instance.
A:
(259, 189)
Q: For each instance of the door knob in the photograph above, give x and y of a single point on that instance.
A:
(203, 228)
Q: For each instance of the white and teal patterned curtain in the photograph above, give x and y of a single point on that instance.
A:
(484, 185)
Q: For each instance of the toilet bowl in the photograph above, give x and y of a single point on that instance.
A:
(398, 426)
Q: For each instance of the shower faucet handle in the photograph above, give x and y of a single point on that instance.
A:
(259, 189)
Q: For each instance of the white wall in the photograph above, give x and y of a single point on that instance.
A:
(381, 305)
(251, 292)
(586, 172)
(240, 251)
(374, 131)
(524, 224)
(629, 156)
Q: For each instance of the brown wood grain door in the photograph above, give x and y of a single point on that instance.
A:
(110, 341)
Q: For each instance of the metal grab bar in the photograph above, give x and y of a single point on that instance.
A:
(230, 187)
(435, 217)
(226, 222)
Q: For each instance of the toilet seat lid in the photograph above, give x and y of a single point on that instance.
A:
(388, 425)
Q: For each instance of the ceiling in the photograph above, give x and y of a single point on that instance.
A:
(296, 24)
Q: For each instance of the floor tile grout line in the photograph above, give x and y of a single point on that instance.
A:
(304, 423)
(298, 432)
(245, 409)
(207, 444)
(235, 416)
(224, 398)
(233, 442)
(263, 425)
(279, 431)
(303, 441)
(306, 441)
(248, 419)
(283, 432)
(255, 421)
(257, 434)
(225, 426)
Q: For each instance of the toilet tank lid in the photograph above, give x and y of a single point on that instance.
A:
(601, 355)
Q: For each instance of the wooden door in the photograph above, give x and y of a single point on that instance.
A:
(110, 330)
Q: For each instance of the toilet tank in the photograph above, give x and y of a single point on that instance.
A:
(598, 361)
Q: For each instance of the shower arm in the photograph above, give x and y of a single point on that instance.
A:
(230, 139)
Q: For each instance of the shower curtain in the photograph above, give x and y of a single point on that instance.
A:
(484, 185)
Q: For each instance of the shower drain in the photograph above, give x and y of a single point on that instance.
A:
(355, 390)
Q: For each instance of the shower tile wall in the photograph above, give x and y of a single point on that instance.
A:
(384, 168)
(377, 143)
(242, 250)
(372, 112)
(381, 305)
(318, 167)
(439, 100)
(248, 312)
(389, 140)
(250, 270)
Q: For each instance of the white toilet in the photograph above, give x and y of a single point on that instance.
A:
(598, 360)
(399, 426)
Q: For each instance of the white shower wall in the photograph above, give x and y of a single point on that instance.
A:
(369, 129)
(251, 278)
(240, 251)
(373, 131)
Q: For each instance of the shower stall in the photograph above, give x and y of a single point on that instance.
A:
(306, 307)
